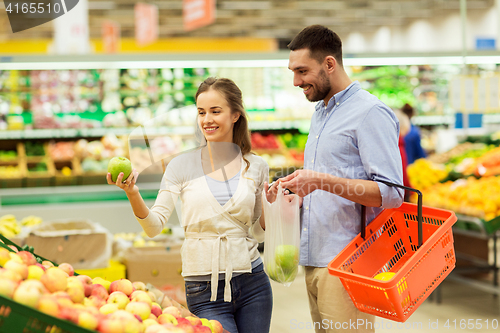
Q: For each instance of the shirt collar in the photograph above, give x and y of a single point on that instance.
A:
(339, 97)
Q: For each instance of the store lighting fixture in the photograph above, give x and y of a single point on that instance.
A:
(10, 63)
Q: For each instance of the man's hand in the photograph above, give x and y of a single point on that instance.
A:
(302, 182)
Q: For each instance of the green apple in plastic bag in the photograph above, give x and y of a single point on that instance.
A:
(287, 257)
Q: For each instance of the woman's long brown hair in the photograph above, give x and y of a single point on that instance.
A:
(230, 91)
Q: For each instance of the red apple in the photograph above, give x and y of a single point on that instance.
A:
(67, 268)
(156, 309)
(149, 322)
(123, 285)
(76, 292)
(194, 320)
(174, 311)
(47, 264)
(94, 301)
(10, 275)
(119, 299)
(185, 325)
(27, 257)
(55, 279)
(87, 284)
(99, 291)
(201, 329)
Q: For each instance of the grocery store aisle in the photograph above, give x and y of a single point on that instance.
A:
(462, 309)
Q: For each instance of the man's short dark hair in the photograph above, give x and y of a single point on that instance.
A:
(320, 41)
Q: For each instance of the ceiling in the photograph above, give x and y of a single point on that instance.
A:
(280, 19)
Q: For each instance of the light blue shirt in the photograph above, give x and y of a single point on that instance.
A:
(355, 137)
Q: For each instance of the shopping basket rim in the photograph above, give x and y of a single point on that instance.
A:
(337, 262)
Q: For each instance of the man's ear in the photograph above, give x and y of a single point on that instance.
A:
(236, 116)
(331, 64)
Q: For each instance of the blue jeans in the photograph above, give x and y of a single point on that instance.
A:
(251, 302)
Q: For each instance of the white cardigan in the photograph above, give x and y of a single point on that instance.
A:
(219, 239)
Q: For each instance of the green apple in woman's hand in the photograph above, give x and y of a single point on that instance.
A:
(119, 164)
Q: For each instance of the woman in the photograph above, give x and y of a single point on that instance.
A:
(220, 187)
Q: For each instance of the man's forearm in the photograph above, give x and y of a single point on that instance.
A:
(365, 192)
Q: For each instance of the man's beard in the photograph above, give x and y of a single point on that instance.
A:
(322, 89)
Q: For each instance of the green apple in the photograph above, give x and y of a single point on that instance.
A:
(119, 164)
(286, 257)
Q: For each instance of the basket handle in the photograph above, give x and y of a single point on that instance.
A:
(419, 210)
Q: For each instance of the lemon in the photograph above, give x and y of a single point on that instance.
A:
(385, 276)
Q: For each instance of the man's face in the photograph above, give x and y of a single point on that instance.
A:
(309, 75)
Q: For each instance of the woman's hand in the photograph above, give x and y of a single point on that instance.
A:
(128, 185)
(271, 191)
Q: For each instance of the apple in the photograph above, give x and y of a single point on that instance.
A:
(149, 322)
(167, 318)
(117, 165)
(286, 257)
(141, 309)
(7, 287)
(87, 320)
(10, 275)
(103, 282)
(201, 329)
(94, 301)
(138, 285)
(216, 326)
(35, 284)
(174, 311)
(194, 320)
(67, 268)
(15, 257)
(158, 328)
(156, 309)
(118, 298)
(111, 325)
(206, 322)
(41, 266)
(48, 305)
(132, 325)
(140, 296)
(108, 308)
(47, 264)
(4, 256)
(75, 291)
(27, 257)
(152, 296)
(185, 325)
(18, 267)
(35, 272)
(123, 285)
(87, 284)
(99, 291)
(27, 295)
(55, 279)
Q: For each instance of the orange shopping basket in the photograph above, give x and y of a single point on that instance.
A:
(414, 242)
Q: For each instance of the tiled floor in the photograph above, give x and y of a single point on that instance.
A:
(461, 305)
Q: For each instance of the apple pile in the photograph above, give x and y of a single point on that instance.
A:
(94, 304)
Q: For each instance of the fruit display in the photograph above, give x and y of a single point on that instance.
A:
(423, 173)
(94, 304)
(10, 171)
(471, 196)
(260, 141)
(8, 155)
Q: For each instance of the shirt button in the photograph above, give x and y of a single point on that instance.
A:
(317, 136)
(305, 229)
(338, 104)
(312, 160)
(307, 207)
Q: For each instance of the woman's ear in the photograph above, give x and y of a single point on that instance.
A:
(236, 116)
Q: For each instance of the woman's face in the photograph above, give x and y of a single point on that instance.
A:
(214, 117)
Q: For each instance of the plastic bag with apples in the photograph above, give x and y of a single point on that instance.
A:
(282, 238)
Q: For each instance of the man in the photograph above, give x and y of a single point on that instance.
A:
(353, 141)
